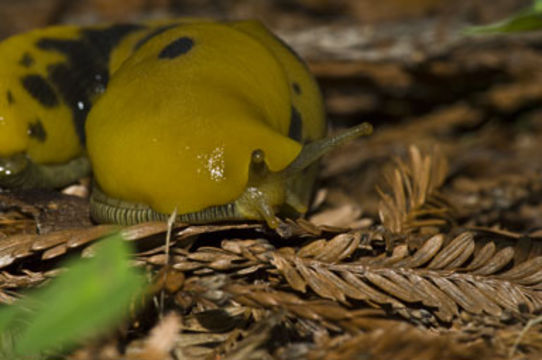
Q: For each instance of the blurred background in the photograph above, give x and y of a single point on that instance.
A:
(288, 14)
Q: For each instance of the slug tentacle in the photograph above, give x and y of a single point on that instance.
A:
(265, 193)
(268, 192)
(316, 149)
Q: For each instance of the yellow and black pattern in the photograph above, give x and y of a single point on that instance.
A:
(50, 78)
(183, 114)
(85, 71)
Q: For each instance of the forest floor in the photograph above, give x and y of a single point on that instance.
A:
(424, 240)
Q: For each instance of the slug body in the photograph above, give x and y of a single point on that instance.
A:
(216, 121)
(48, 81)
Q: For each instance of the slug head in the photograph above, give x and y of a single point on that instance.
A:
(12, 169)
(268, 192)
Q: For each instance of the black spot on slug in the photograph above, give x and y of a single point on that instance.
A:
(85, 72)
(26, 60)
(153, 34)
(176, 48)
(296, 125)
(36, 131)
(10, 98)
(104, 40)
(297, 88)
(40, 89)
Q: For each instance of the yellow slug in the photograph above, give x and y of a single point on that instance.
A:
(214, 120)
(49, 79)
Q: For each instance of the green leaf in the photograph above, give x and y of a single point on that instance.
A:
(92, 296)
(529, 19)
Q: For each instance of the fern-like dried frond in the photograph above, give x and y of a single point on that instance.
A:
(445, 278)
(398, 341)
(410, 198)
(331, 314)
(365, 332)
(58, 243)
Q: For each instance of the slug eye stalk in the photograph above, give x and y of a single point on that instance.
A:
(267, 191)
(316, 149)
